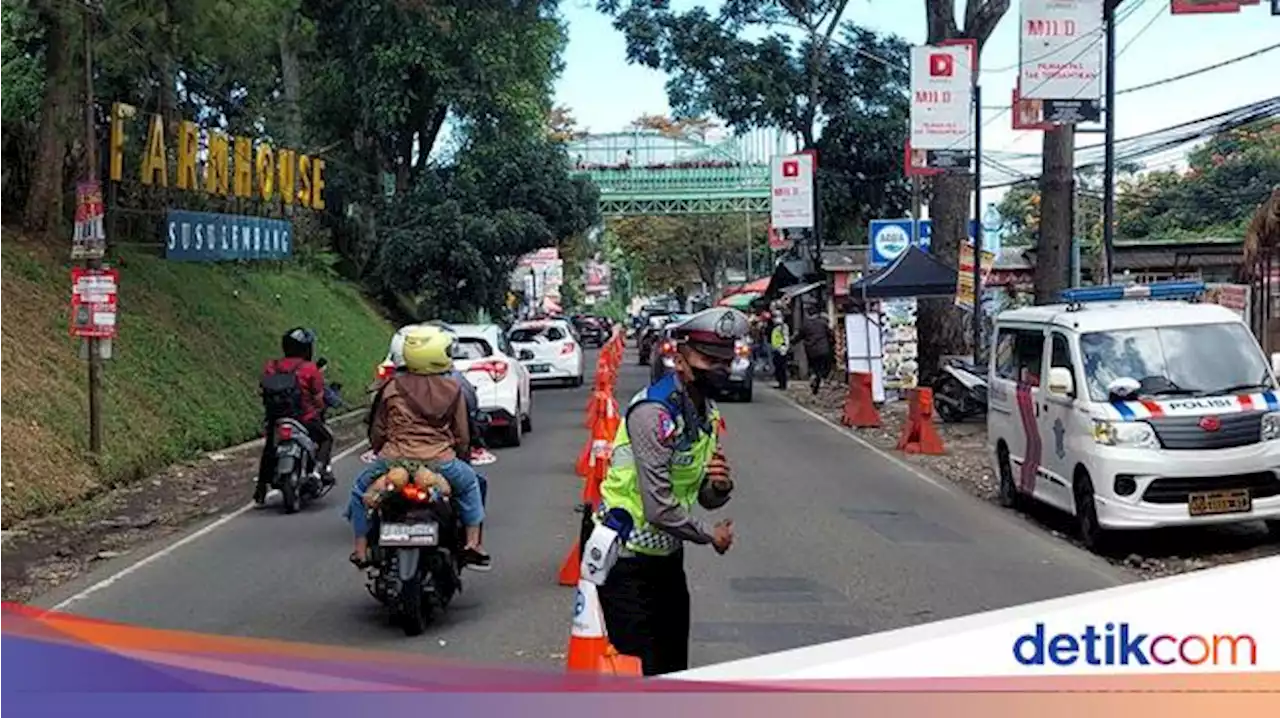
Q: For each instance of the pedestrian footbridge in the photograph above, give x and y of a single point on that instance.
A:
(648, 172)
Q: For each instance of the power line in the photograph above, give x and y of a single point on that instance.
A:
(1200, 71)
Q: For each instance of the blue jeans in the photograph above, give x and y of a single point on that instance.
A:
(470, 490)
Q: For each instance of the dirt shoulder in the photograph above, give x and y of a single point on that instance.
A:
(1149, 554)
(41, 554)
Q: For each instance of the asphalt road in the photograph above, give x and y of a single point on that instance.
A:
(833, 540)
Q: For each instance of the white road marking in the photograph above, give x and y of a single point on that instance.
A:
(189, 538)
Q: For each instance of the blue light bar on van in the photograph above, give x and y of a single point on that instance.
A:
(1120, 292)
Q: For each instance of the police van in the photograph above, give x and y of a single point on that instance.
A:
(1134, 407)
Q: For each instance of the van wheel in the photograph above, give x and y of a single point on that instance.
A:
(526, 421)
(1010, 497)
(514, 434)
(1094, 537)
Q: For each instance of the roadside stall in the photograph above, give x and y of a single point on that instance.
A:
(880, 323)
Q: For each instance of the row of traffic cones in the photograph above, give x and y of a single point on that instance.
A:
(919, 434)
(593, 461)
(589, 648)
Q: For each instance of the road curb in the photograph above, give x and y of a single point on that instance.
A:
(255, 443)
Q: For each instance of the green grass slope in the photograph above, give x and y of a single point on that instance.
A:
(193, 339)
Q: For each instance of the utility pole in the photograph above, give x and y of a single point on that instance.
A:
(91, 162)
(977, 221)
(1109, 160)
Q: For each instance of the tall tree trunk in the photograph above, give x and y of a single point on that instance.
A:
(1057, 189)
(43, 211)
(291, 79)
(941, 326)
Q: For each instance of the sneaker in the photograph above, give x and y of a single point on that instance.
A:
(476, 561)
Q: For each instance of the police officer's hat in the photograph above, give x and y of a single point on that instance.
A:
(713, 332)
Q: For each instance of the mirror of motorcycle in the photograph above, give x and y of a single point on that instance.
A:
(322, 362)
(335, 386)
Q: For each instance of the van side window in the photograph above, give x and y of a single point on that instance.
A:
(1004, 354)
(1061, 354)
(1020, 355)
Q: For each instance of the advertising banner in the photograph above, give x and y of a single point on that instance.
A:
(93, 302)
(791, 189)
(941, 97)
(90, 238)
(964, 280)
(213, 237)
(1208, 7)
(1061, 49)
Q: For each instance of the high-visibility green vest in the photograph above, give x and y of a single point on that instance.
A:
(621, 488)
(779, 338)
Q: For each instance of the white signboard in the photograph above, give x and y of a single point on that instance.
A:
(941, 98)
(792, 192)
(1061, 49)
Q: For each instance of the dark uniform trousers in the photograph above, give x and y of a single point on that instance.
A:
(646, 611)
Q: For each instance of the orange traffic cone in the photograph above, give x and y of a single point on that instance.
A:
(859, 407)
(919, 434)
(570, 568)
(589, 647)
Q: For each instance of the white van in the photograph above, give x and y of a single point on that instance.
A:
(1134, 414)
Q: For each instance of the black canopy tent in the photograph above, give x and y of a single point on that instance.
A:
(915, 273)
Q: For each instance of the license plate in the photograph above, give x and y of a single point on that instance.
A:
(423, 534)
(539, 368)
(1208, 503)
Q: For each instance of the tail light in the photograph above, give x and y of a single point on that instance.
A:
(284, 432)
(385, 371)
(742, 349)
(496, 369)
(567, 349)
(668, 347)
(414, 493)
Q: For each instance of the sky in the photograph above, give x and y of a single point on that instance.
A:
(605, 93)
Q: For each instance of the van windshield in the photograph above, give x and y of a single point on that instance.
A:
(1196, 360)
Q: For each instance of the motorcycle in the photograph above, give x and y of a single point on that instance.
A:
(415, 551)
(297, 477)
(960, 391)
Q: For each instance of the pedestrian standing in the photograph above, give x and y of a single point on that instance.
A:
(781, 346)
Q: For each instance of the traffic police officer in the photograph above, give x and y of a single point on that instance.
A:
(666, 459)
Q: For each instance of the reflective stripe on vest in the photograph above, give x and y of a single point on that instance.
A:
(621, 487)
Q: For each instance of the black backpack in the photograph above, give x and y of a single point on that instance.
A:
(281, 395)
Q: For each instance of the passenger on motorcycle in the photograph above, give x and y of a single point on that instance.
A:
(293, 387)
(421, 420)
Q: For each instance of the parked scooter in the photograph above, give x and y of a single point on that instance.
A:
(960, 391)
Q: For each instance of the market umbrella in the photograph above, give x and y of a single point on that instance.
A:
(741, 302)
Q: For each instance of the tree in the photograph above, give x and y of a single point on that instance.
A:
(1226, 178)
(839, 88)
(942, 326)
(670, 251)
(562, 126)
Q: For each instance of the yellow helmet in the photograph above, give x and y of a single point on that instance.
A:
(428, 350)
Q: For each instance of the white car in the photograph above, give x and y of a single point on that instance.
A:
(483, 355)
(549, 350)
(1135, 414)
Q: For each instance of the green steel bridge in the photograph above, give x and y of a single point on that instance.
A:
(646, 172)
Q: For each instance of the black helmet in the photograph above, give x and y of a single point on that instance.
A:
(298, 343)
(713, 332)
